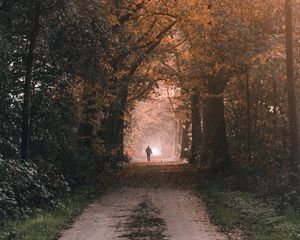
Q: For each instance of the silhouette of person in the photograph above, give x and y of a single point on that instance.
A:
(148, 152)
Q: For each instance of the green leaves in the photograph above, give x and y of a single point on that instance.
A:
(24, 187)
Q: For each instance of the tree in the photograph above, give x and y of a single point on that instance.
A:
(126, 63)
(292, 107)
(196, 127)
(28, 78)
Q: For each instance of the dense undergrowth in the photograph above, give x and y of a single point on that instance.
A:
(262, 217)
(36, 201)
(46, 224)
(25, 188)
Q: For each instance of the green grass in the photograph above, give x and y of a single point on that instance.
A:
(47, 224)
(231, 209)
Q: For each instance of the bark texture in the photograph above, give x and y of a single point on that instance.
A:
(215, 151)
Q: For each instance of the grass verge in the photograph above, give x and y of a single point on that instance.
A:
(257, 215)
(46, 224)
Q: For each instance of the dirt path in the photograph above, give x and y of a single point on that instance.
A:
(154, 202)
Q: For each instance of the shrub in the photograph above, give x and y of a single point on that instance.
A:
(24, 187)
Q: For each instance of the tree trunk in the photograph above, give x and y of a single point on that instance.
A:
(196, 127)
(114, 123)
(120, 117)
(185, 141)
(275, 104)
(177, 139)
(248, 114)
(292, 111)
(28, 79)
(215, 149)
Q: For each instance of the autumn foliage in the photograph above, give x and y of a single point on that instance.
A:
(217, 69)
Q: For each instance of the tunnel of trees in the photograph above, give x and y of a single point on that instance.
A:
(86, 85)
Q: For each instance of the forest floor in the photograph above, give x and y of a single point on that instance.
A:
(160, 201)
(149, 201)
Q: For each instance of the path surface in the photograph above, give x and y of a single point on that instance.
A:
(151, 202)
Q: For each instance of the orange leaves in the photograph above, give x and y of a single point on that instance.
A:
(120, 74)
(207, 38)
(113, 20)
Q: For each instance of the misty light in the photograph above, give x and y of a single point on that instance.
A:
(153, 124)
(156, 151)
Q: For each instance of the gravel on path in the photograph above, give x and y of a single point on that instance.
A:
(148, 202)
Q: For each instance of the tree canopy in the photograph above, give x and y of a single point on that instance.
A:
(75, 77)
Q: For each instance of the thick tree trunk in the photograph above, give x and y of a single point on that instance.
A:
(185, 141)
(196, 128)
(115, 123)
(215, 149)
(120, 118)
(28, 79)
(292, 112)
(113, 126)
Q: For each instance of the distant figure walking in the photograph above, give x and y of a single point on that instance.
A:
(148, 152)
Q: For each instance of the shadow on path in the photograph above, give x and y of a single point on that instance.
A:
(148, 201)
